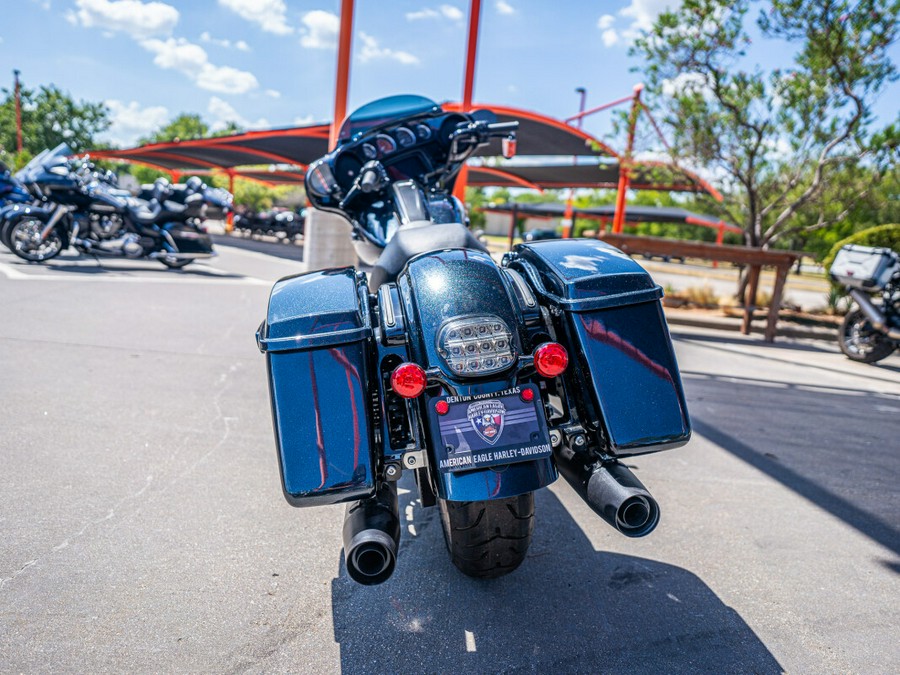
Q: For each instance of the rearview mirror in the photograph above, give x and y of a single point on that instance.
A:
(508, 145)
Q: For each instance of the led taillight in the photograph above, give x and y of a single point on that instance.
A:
(476, 345)
(408, 380)
(550, 359)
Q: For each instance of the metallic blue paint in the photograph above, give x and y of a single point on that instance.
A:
(444, 285)
(318, 339)
(625, 380)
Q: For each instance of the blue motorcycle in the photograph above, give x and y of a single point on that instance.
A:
(12, 190)
(82, 207)
(484, 380)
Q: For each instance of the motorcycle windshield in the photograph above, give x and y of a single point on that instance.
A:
(44, 159)
(383, 111)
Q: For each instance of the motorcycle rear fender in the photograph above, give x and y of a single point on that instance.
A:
(318, 341)
(434, 288)
(623, 374)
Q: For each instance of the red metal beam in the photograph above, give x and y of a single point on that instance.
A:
(625, 162)
(584, 113)
(342, 82)
(462, 179)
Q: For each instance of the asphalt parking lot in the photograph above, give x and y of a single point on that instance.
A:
(142, 527)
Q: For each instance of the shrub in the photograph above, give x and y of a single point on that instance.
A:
(883, 236)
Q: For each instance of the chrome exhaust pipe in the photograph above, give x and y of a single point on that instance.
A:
(612, 491)
(873, 314)
(182, 256)
(372, 536)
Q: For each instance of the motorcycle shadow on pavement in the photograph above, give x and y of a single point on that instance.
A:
(568, 608)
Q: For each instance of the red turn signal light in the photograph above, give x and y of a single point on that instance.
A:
(550, 359)
(408, 380)
(442, 407)
(527, 395)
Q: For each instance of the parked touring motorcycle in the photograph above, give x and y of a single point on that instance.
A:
(871, 332)
(81, 210)
(483, 380)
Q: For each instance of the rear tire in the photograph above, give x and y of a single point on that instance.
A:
(860, 341)
(491, 538)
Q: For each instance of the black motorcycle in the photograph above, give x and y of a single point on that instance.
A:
(81, 210)
(278, 222)
(871, 332)
(483, 380)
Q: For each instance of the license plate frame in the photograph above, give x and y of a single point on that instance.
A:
(488, 430)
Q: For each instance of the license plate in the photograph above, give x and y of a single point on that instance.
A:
(489, 430)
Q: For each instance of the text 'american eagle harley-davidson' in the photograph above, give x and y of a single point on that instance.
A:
(484, 380)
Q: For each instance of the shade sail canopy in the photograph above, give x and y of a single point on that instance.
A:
(540, 135)
(644, 176)
(297, 146)
(300, 146)
(633, 214)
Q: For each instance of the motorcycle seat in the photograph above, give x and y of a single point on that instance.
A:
(416, 238)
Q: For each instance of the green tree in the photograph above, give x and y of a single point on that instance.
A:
(184, 127)
(782, 137)
(50, 116)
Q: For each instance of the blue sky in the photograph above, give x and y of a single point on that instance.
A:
(271, 63)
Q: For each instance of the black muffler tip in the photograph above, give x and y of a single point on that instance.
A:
(372, 536)
(613, 492)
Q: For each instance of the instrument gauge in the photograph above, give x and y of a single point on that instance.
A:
(405, 137)
(385, 144)
(423, 131)
(369, 151)
(320, 180)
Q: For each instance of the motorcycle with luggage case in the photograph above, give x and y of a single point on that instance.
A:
(485, 380)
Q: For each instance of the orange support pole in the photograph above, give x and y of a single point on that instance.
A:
(229, 219)
(459, 189)
(625, 163)
(720, 237)
(342, 79)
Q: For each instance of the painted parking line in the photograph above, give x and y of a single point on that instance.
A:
(122, 276)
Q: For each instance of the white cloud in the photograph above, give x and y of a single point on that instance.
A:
(504, 7)
(224, 42)
(444, 11)
(642, 14)
(130, 121)
(138, 19)
(192, 60)
(369, 49)
(304, 121)
(223, 112)
(320, 30)
(272, 93)
(609, 37)
(686, 83)
(270, 15)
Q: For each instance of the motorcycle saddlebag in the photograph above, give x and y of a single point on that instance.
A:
(622, 374)
(864, 267)
(316, 339)
(188, 239)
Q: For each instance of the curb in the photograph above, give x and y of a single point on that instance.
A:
(676, 317)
